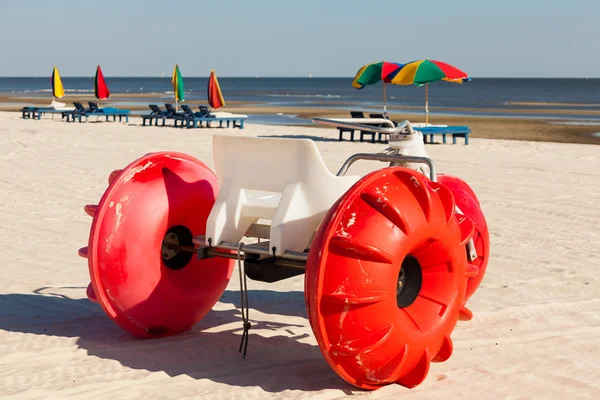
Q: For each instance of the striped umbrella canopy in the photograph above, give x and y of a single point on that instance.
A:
(422, 72)
(370, 74)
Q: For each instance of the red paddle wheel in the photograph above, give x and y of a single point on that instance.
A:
(385, 278)
(143, 284)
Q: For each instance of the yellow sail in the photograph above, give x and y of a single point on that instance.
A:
(57, 87)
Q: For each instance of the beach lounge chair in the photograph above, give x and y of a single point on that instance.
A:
(188, 116)
(193, 119)
(354, 114)
(171, 111)
(77, 112)
(172, 114)
(344, 130)
(93, 107)
(379, 134)
(224, 116)
(115, 113)
(108, 112)
(55, 107)
(236, 120)
(156, 114)
(81, 112)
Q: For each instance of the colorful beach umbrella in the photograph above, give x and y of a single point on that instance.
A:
(215, 97)
(177, 81)
(422, 72)
(373, 73)
(100, 89)
(57, 87)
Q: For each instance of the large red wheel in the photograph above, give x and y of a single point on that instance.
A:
(385, 278)
(469, 205)
(148, 288)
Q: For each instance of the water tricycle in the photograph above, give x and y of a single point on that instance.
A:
(390, 258)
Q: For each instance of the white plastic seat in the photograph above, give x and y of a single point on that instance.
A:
(284, 180)
(260, 204)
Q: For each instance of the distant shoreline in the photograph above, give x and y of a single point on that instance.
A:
(529, 116)
(531, 129)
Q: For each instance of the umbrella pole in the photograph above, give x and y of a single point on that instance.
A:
(384, 102)
(426, 104)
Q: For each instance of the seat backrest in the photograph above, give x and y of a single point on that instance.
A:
(376, 116)
(169, 107)
(204, 111)
(93, 105)
(187, 110)
(292, 167)
(357, 114)
(275, 162)
(78, 106)
(154, 108)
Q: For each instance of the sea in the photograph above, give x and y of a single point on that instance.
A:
(546, 98)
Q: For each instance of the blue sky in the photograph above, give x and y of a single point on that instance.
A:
(507, 38)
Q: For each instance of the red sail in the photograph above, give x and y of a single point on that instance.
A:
(100, 89)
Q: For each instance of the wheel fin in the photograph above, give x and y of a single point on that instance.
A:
(113, 175)
(431, 296)
(419, 372)
(467, 228)
(472, 271)
(410, 318)
(390, 371)
(91, 295)
(90, 209)
(446, 197)
(464, 314)
(414, 182)
(385, 207)
(351, 248)
(445, 351)
(83, 252)
(364, 344)
(425, 313)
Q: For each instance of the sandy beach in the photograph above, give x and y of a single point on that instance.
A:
(536, 327)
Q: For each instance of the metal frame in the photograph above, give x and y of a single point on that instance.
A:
(256, 252)
(392, 158)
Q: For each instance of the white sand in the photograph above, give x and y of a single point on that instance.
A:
(535, 334)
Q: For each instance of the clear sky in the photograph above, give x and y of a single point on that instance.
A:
(485, 38)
